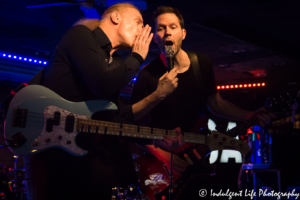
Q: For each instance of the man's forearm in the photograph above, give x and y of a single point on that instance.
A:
(228, 110)
(231, 111)
(158, 152)
(144, 106)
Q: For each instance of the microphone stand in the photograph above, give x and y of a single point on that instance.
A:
(170, 63)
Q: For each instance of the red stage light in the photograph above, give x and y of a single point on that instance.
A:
(248, 85)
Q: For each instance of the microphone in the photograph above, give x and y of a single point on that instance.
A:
(170, 57)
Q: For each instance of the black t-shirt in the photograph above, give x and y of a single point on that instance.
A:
(182, 108)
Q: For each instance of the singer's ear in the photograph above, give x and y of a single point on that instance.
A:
(183, 34)
(114, 17)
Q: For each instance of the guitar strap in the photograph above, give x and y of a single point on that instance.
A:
(197, 61)
(196, 68)
(199, 64)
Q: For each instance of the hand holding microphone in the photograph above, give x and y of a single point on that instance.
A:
(169, 81)
(167, 84)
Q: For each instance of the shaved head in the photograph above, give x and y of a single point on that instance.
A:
(120, 7)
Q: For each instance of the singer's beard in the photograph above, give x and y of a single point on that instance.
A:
(178, 45)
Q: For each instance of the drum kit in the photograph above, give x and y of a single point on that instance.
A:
(131, 192)
(12, 183)
(12, 180)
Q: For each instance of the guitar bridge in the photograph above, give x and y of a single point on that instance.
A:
(16, 140)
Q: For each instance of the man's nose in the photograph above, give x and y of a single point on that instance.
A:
(168, 31)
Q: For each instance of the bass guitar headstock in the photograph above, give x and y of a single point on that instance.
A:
(220, 141)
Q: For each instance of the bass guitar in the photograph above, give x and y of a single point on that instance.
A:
(39, 119)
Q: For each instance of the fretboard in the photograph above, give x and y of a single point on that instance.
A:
(241, 128)
(126, 130)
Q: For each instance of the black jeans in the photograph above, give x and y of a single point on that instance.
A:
(56, 174)
(61, 181)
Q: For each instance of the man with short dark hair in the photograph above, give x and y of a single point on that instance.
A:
(188, 102)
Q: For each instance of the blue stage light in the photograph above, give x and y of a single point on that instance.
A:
(256, 128)
(20, 58)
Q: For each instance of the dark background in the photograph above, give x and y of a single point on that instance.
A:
(239, 36)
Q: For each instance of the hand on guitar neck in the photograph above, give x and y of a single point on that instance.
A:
(178, 165)
(169, 143)
(263, 116)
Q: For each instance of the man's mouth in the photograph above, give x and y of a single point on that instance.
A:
(168, 43)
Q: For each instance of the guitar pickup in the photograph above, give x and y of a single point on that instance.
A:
(19, 118)
(56, 118)
(49, 125)
(70, 122)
